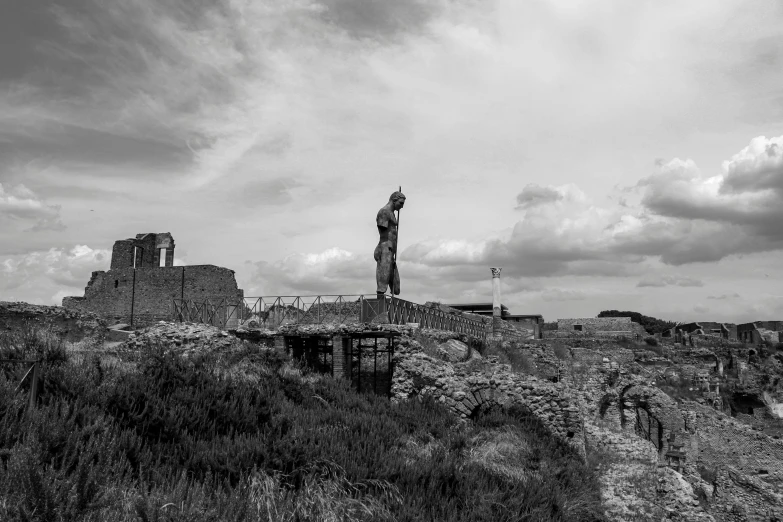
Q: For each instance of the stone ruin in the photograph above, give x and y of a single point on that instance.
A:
(142, 282)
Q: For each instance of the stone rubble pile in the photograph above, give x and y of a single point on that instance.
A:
(186, 338)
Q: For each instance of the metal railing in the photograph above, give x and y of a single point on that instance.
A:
(271, 312)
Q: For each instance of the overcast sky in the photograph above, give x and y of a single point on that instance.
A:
(607, 154)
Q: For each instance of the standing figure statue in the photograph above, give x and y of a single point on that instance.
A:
(386, 274)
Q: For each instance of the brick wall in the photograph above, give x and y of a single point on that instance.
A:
(148, 293)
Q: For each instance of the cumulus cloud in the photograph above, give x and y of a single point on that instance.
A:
(683, 217)
(20, 205)
(49, 275)
(745, 197)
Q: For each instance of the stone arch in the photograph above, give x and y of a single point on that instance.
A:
(656, 411)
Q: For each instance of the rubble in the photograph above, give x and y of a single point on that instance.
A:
(184, 338)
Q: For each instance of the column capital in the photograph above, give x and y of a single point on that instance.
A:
(496, 272)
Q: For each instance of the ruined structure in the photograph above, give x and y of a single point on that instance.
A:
(759, 331)
(598, 327)
(682, 331)
(142, 282)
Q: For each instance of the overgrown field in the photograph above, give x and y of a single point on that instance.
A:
(247, 435)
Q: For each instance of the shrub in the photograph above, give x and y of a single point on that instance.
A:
(651, 341)
(185, 439)
(561, 351)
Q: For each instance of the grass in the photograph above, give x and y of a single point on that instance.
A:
(246, 435)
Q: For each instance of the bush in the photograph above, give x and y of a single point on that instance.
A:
(190, 439)
(651, 341)
(561, 351)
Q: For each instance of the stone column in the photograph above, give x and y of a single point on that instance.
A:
(496, 311)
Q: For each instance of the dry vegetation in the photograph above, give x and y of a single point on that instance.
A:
(246, 435)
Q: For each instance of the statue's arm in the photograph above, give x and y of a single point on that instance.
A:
(382, 220)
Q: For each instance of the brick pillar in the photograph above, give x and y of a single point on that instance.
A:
(156, 261)
(339, 354)
(280, 344)
(170, 256)
(496, 311)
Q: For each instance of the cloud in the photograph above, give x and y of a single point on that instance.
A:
(46, 275)
(700, 308)
(561, 294)
(333, 271)
(534, 195)
(745, 197)
(20, 205)
(682, 218)
(668, 280)
(756, 168)
(724, 297)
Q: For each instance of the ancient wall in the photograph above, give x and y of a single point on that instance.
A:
(71, 325)
(143, 296)
(143, 251)
(417, 374)
(599, 326)
(722, 440)
(122, 253)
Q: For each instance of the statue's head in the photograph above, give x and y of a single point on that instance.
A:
(397, 199)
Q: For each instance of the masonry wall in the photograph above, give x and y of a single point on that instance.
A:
(723, 441)
(598, 325)
(530, 324)
(122, 254)
(143, 296)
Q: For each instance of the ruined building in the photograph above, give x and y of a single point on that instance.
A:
(142, 283)
(760, 331)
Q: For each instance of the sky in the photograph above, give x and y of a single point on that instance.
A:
(606, 154)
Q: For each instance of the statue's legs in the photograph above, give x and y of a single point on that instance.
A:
(383, 268)
(383, 274)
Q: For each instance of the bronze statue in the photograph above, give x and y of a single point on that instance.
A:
(386, 274)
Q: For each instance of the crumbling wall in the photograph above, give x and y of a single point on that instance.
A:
(417, 374)
(70, 324)
(725, 441)
(143, 251)
(599, 325)
(143, 296)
